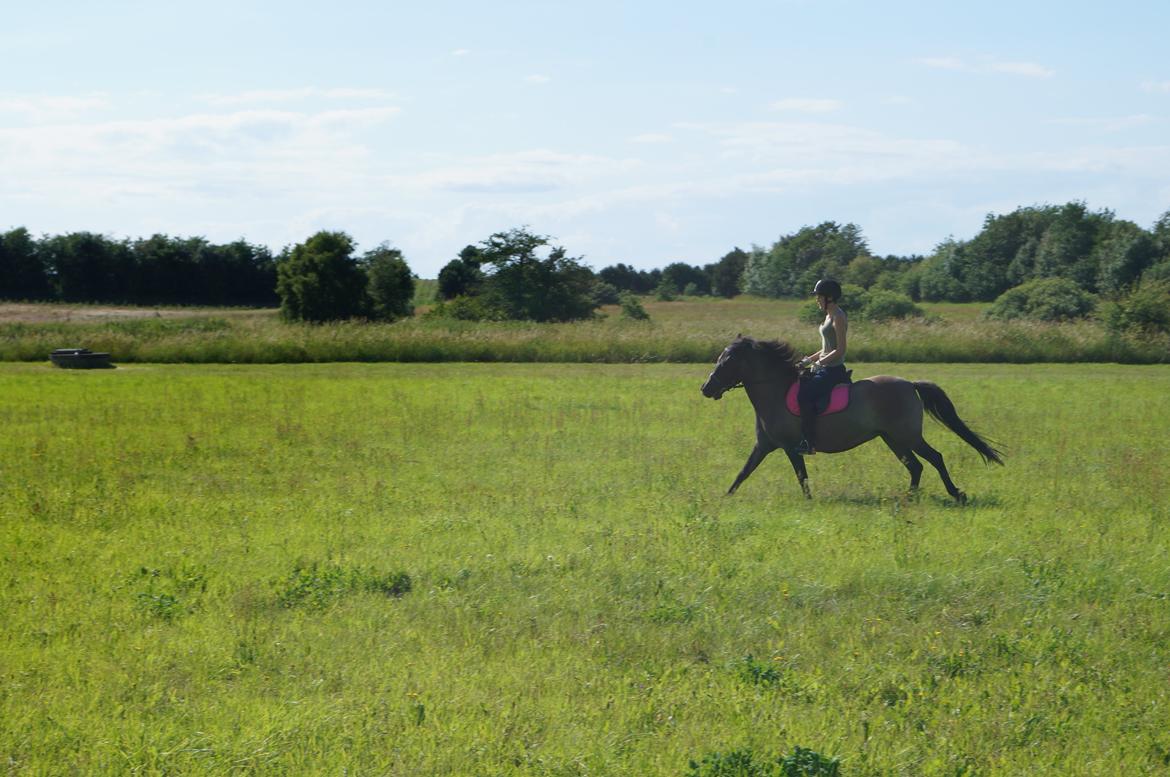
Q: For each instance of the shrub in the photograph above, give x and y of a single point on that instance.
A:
(318, 585)
(1043, 299)
(1145, 310)
(666, 291)
(862, 305)
(1159, 272)
(632, 308)
(605, 294)
(801, 762)
(466, 309)
(162, 606)
(883, 305)
(754, 672)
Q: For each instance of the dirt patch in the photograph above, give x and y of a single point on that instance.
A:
(32, 313)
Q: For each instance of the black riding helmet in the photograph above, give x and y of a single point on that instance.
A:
(829, 288)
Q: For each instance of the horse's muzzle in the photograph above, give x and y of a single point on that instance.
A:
(711, 390)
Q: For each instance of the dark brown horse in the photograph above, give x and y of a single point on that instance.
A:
(881, 406)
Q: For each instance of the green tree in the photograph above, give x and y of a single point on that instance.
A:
(528, 279)
(87, 267)
(862, 271)
(1144, 310)
(169, 271)
(935, 279)
(239, 273)
(461, 276)
(727, 273)
(794, 263)
(319, 280)
(680, 275)
(623, 277)
(1035, 242)
(1123, 253)
(390, 286)
(22, 274)
(1066, 250)
(1161, 235)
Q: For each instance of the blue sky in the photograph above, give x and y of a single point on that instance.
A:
(642, 133)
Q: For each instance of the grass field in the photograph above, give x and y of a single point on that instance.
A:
(688, 330)
(506, 569)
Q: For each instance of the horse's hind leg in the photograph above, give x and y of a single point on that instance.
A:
(801, 473)
(936, 459)
(906, 456)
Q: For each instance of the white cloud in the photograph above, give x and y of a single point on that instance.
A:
(942, 63)
(244, 153)
(1157, 86)
(537, 79)
(1109, 124)
(988, 65)
(806, 105)
(652, 138)
(460, 52)
(1029, 69)
(294, 95)
(41, 108)
(518, 173)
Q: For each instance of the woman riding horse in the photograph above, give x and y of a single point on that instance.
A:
(826, 366)
(880, 406)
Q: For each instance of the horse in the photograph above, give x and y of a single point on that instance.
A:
(880, 406)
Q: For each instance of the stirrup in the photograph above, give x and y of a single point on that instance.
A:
(805, 448)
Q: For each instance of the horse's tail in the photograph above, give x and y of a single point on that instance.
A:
(939, 405)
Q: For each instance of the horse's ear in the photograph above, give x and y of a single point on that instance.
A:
(738, 335)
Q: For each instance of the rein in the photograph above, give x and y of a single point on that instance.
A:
(744, 384)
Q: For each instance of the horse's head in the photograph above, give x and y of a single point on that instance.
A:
(751, 362)
(729, 370)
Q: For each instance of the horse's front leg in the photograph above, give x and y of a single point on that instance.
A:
(762, 449)
(801, 473)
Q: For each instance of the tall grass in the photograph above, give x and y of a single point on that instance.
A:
(530, 569)
(686, 331)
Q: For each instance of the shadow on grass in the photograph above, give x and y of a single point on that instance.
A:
(908, 499)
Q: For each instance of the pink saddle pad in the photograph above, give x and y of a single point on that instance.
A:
(838, 399)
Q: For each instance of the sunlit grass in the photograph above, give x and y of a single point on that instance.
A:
(690, 330)
(199, 568)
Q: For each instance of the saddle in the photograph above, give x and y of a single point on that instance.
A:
(836, 401)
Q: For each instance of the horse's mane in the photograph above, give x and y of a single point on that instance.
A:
(776, 353)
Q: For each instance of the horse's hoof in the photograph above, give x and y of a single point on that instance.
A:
(961, 498)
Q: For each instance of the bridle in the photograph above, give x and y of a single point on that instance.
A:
(743, 384)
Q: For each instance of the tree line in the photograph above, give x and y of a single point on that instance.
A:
(160, 270)
(1094, 250)
(518, 274)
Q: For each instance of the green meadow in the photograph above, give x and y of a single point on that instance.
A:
(685, 331)
(530, 569)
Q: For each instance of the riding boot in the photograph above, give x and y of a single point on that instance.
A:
(808, 425)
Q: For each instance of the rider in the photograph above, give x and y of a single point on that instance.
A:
(827, 366)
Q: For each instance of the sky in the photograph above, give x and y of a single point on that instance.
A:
(636, 132)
